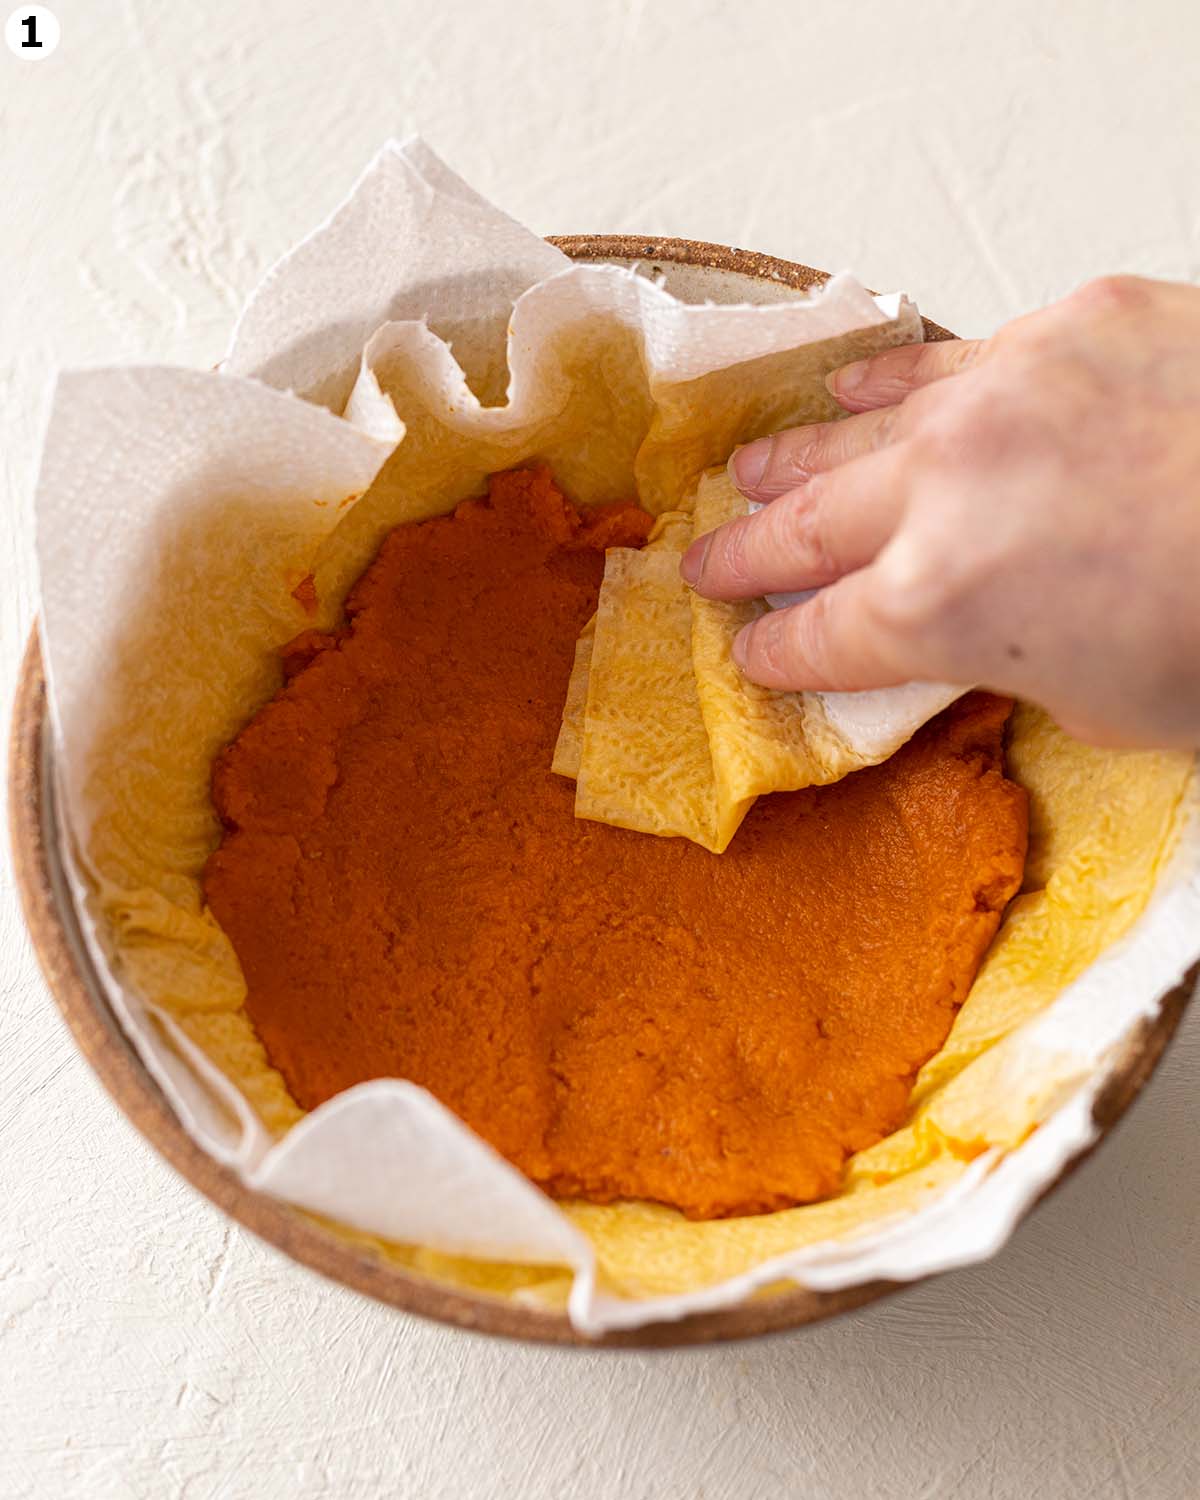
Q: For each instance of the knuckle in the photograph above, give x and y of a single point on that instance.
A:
(905, 363)
(987, 425)
(917, 589)
(1105, 295)
(794, 455)
(1030, 336)
(901, 370)
(981, 426)
(924, 405)
(928, 607)
(942, 440)
(899, 610)
(769, 647)
(730, 554)
(803, 537)
(951, 356)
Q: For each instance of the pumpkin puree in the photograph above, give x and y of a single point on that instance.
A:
(622, 1016)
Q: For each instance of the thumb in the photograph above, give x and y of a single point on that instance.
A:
(834, 642)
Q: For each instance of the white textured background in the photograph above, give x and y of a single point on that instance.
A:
(985, 157)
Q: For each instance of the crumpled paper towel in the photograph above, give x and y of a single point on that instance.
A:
(416, 342)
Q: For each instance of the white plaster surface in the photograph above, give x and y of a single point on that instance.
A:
(985, 157)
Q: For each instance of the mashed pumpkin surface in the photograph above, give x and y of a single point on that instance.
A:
(620, 1015)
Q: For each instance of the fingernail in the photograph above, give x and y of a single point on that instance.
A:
(846, 381)
(748, 464)
(740, 642)
(691, 565)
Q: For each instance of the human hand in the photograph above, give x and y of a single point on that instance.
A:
(1020, 512)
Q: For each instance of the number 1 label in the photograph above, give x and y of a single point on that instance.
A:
(32, 32)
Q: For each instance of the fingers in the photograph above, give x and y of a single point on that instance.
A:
(831, 643)
(873, 389)
(885, 379)
(834, 524)
(772, 466)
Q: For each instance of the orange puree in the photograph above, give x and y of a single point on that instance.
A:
(622, 1016)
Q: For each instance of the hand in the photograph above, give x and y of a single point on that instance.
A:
(1020, 512)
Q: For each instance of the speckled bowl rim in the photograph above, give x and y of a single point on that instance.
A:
(54, 928)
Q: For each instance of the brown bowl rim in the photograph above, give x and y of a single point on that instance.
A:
(53, 927)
